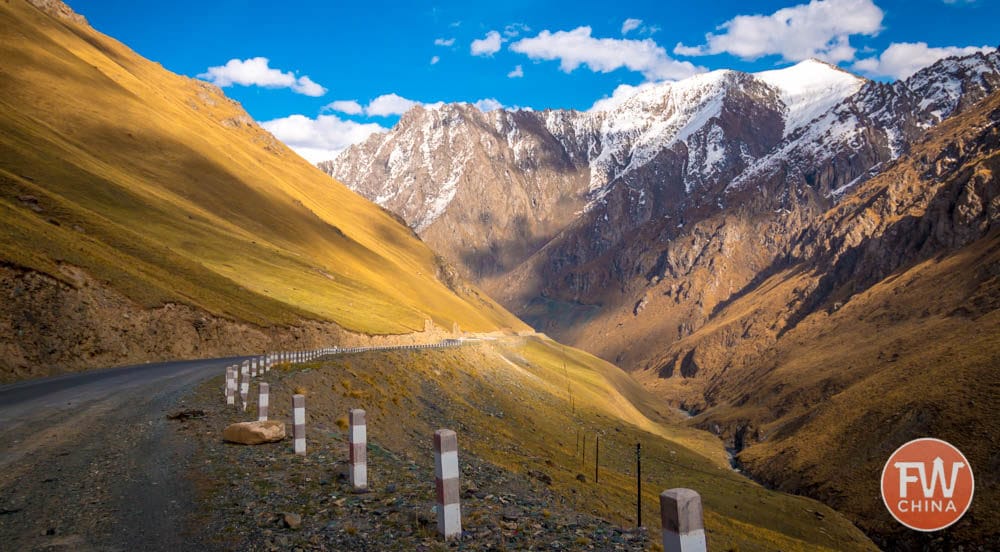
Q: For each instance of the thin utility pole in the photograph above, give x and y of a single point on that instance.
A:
(638, 484)
(597, 458)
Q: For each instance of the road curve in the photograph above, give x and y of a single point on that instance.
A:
(88, 461)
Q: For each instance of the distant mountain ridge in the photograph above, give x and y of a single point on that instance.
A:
(610, 143)
(490, 190)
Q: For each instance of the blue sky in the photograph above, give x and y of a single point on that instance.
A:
(322, 75)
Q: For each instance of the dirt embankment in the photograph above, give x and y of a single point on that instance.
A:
(50, 327)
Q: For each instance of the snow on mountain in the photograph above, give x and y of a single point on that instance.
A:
(390, 159)
(944, 86)
(810, 89)
(719, 123)
(879, 119)
(653, 119)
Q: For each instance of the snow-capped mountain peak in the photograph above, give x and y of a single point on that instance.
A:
(693, 142)
(809, 89)
(653, 119)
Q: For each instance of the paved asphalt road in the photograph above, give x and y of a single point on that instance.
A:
(88, 461)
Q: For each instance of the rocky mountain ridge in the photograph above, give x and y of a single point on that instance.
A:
(566, 216)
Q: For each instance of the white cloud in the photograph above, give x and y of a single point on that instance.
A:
(488, 104)
(902, 59)
(515, 29)
(621, 94)
(350, 107)
(820, 29)
(444, 41)
(486, 46)
(389, 104)
(435, 59)
(256, 72)
(630, 25)
(517, 73)
(322, 138)
(578, 47)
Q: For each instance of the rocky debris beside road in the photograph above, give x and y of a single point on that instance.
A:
(292, 520)
(266, 498)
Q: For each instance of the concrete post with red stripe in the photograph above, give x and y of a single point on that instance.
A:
(446, 479)
(358, 439)
(231, 385)
(299, 424)
(245, 383)
(682, 521)
(263, 401)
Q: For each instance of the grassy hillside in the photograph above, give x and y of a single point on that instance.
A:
(165, 190)
(524, 406)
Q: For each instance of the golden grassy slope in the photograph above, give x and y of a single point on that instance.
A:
(510, 401)
(909, 358)
(164, 189)
(826, 405)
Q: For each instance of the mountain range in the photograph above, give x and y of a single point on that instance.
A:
(540, 207)
(776, 253)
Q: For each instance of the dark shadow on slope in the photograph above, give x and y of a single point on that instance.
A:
(500, 257)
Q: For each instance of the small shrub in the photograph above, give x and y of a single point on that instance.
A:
(342, 423)
(300, 390)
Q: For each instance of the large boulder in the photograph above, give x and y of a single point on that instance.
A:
(254, 433)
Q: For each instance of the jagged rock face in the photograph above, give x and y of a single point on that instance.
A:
(58, 8)
(487, 188)
(679, 196)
